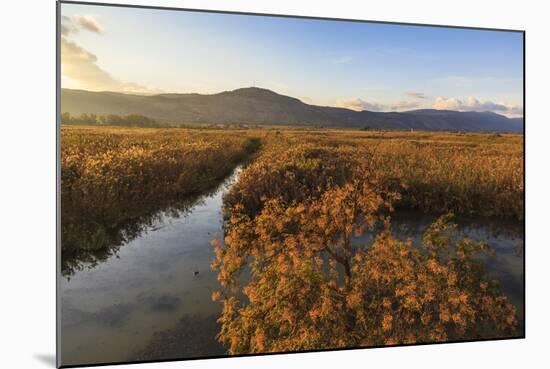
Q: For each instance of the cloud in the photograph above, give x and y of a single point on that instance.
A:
(71, 25)
(417, 95)
(358, 104)
(473, 104)
(88, 23)
(469, 104)
(80, 67)
(341, 60)
(514, 111)
(67, 26)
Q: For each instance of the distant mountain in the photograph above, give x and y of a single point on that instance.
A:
(259, 106)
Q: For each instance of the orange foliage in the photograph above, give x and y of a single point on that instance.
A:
(312, 287)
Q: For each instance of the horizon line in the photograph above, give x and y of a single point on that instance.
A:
(136, 93)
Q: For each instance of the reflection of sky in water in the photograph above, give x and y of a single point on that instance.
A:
(111, 311)
(505, 238)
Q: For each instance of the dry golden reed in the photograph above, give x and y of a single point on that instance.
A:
(111, 177)
(292, 216)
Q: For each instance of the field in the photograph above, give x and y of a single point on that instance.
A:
(113, 181)
(464, 173)
(292, 220)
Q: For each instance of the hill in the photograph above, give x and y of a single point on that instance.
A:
(264, 107)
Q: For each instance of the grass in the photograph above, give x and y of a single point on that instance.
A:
(291, 276)
(291, 216)
(114, 179)
(479, 174)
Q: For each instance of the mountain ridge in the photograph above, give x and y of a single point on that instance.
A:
(258, 106)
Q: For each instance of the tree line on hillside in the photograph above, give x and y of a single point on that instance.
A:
(132, 120)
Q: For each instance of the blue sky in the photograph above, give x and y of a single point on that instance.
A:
(351, 64)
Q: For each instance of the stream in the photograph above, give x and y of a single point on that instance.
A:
(152, 299)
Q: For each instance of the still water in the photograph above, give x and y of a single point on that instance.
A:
(152, 300)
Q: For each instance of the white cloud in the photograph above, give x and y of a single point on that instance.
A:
(473, 104)
(79, 67)
(358, 104)
(469, 104)
(74, 24)
(88, 23)
(67, 26)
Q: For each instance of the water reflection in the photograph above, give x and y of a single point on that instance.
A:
(111, 312)
(504, 236)
(87, 243)
(193, 336)
(151, 298)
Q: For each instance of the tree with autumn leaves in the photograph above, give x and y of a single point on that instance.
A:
(292, 277)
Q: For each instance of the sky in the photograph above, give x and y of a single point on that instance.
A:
(357, 65)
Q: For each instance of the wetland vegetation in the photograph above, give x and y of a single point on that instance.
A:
(294, 271)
